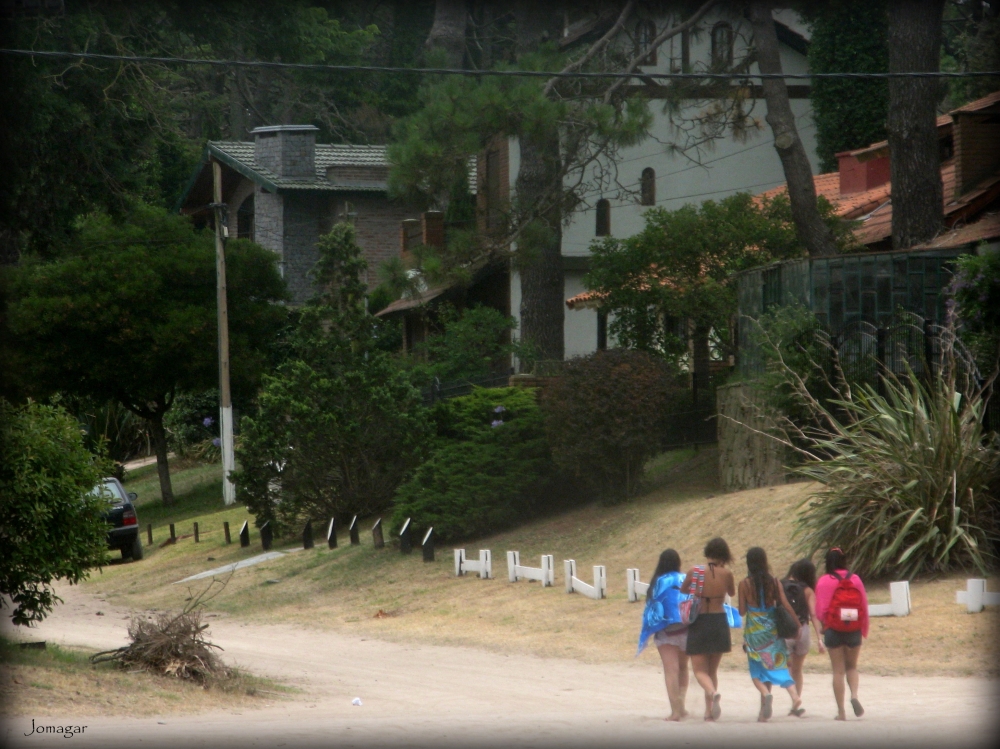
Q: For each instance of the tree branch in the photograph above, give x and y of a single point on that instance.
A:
(595, 48)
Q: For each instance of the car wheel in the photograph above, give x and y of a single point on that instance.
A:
(136, 550)
(126, 552)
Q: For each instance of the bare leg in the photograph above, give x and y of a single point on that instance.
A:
(701, 666)
(796, 698)
(851, 670)
(795, 663)
(837, 661)
(671, 655)
(682, 681)
(714, 660)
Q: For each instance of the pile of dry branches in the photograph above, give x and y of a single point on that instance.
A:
(171, 644)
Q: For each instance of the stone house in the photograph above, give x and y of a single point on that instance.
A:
(283, 190)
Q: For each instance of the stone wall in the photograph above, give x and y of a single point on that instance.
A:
(376, 220)
(747, 459)
(304, 220)
(291, 153)
(269, 221)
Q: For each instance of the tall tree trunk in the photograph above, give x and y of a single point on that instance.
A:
(812, 232)
(914, 160)
(162, 466)
(448, 31)
(539, 182)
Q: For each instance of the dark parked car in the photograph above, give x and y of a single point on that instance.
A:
(124, 531)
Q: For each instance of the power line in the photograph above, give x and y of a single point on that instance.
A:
(323, 67)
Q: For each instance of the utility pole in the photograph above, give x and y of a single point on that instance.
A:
(226, 403)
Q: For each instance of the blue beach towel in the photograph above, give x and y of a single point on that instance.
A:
(662, 607)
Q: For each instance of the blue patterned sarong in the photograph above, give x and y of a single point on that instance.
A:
(662, 607)
(766, 652)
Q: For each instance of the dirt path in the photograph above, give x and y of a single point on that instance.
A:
(447, 696)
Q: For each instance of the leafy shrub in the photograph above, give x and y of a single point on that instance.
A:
(604, 417)
(192, 422)
(472, 343)
(975, 291)
(489, 470)
(339, 426)
(910, 480)
(50, 524)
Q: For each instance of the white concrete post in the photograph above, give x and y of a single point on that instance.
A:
(631, 576)
(459, 560)
(548, 571)
(569, 570)
(513, 560)
(900, 593)
(600, 581)
(485, 564)
(975, 595)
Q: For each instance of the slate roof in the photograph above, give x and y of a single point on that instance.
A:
(240, 156)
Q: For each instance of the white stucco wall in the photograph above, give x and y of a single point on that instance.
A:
(727, 166)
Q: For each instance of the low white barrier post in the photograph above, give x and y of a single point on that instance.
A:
(636, 589)
(574, 584)
(544, 574)
(975, 596)
(900, 606)
(484, 566)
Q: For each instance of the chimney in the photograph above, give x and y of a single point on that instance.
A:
(857, 175)
(287, 150)
(432, 228)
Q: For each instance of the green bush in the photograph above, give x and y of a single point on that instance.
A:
(192, 423)
(909, 480)
(605, 416)
(490, 467)
(50, 524)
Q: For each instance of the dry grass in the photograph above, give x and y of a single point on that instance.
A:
(60, 682)
(344, 589)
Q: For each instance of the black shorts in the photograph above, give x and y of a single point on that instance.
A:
(834, 639)
(709, 633)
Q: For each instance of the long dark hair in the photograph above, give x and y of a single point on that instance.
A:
(760, 574)
(670, 561)
(804, 571)
(835, 560)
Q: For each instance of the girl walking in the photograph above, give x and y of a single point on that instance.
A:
(799, 586)
(708, 636)
(760, 593)
(661, 615)
(842, 609)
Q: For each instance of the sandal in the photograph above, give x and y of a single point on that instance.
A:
(716, 707)
(856, 704)
(765, 709)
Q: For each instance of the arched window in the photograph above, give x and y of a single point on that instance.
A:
(244, 219)
(648, 187)
(645, 33)
(603, 228)
(722, 46)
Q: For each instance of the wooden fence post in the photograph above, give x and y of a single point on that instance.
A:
(245, 534)
(377, 537)
(197, 537)
(307, 535)
(225, 528)
(149, 533)
(427, 545)
(405, 544)
(266, 535)
(355, 532)
(331, 534)
(173, 534)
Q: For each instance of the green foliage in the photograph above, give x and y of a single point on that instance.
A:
(975, 291)
(472, 343)
(604, 418)
(123, 434)
(792, 344)
(909, 481)
(339, 425)
(192, 421)
(490, 468)
(128, 312)
(50, 525)
(678, 266)
(848, 36)
(971, 42)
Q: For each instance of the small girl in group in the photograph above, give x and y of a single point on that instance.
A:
(799, 586)
(662, 613)
(760, 593)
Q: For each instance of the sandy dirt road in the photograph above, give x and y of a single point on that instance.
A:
(432, 696)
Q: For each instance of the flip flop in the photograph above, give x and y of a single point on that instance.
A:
(856, 704)
(716, 707)
(766, 710)
(798, 712)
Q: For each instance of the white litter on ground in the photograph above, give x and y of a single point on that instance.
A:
(235, 566)
(356, 702)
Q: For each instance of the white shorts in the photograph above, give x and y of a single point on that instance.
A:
(679, 639)
(800, 645)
